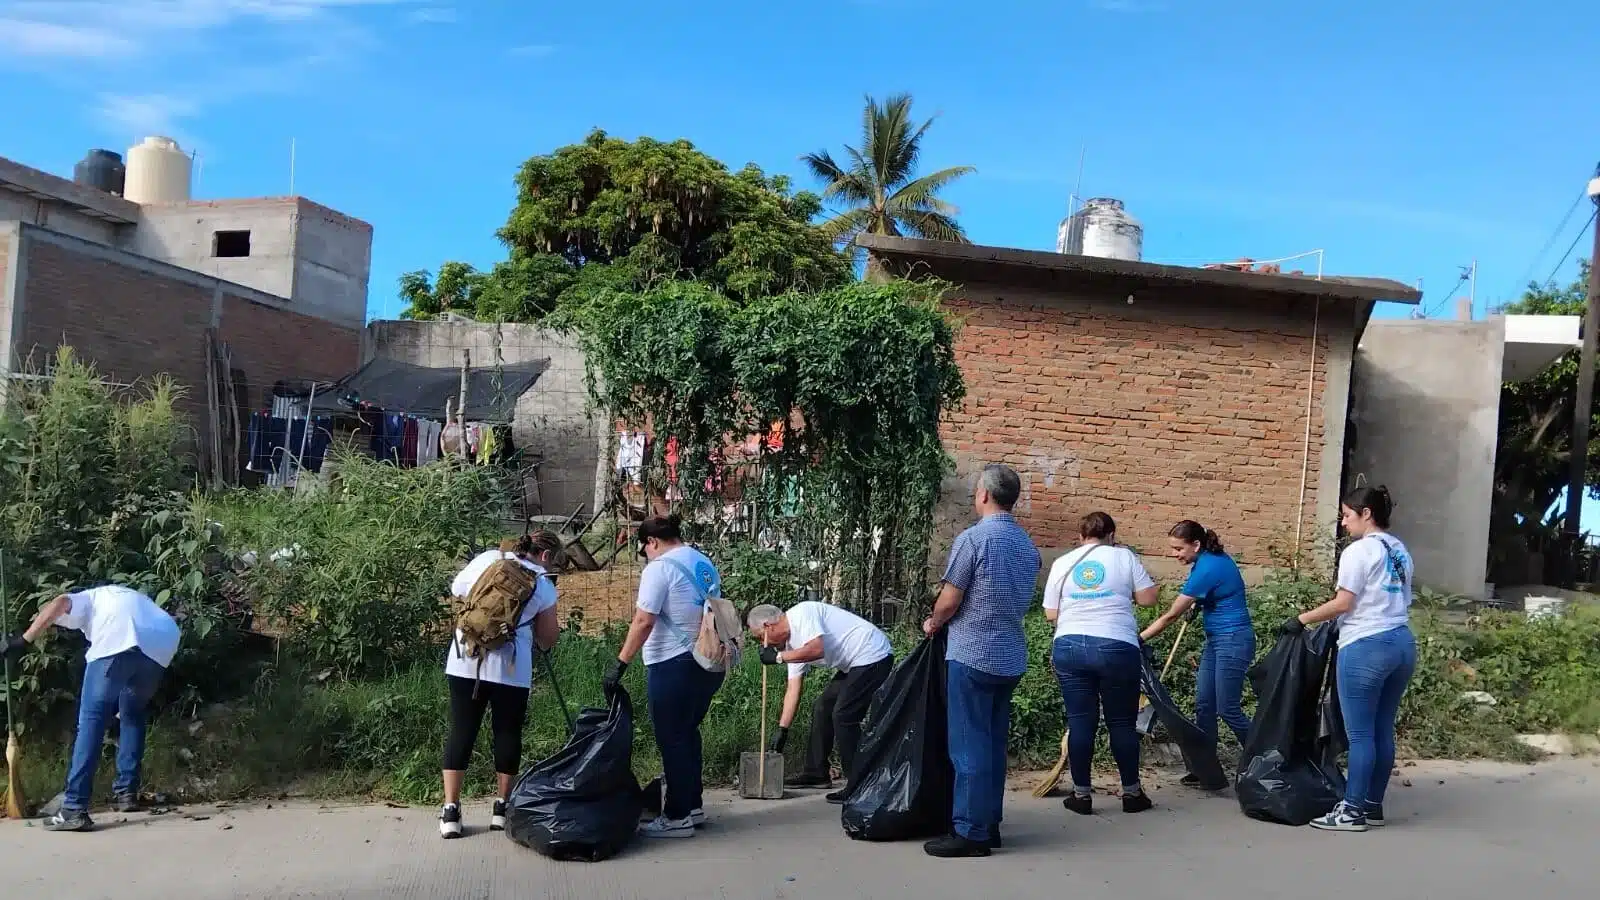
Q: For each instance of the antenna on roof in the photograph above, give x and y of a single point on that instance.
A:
(291, 167)
(1077, 188)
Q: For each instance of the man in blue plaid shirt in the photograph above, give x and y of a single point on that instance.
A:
(988, 587)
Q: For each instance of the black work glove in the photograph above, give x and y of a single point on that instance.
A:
(613, 679)
(779, 739)
(1291, 626)
(769, 656)
(15, 646)
(1193, 613)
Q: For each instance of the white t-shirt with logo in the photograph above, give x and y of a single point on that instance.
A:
(678, 604)
(1378, 570)
(848, 640)
(115, 619)
(1092, 587)
(512, 663)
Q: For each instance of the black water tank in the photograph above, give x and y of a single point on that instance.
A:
(101, 170)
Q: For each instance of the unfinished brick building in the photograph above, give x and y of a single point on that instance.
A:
(1154, 392)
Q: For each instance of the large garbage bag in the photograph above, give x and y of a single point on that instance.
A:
(583, 803)
(1289, 768)
(1198, 748)
(904, 783)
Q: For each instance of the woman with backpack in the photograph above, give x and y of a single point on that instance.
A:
(673, 597)
(503, 612)
(1377, 651)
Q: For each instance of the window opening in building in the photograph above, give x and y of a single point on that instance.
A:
(231, 244)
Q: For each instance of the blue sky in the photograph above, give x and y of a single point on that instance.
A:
(1404, 138)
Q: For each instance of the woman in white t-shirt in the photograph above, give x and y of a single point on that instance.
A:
(1090, 596)
(499, 682)
(1377, 652)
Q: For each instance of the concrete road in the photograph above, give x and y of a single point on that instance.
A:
(1460, 832)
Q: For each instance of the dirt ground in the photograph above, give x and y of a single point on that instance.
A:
(1460, 831)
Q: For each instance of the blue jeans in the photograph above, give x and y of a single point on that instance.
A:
(1099, 672)
(679, 694)
(115, 686)
(1219, 685)
(1373, 673)
(980, 717)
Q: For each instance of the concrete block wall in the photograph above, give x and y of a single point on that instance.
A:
(136, 318)
(552, 419)
(1169, 408)
(1426, 410)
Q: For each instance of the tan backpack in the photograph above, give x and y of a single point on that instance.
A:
(488, 617)
(717, 644)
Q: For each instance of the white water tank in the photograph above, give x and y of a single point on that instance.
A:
(1101, 228)
(158, 172)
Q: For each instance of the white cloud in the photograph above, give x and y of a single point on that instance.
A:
(432, 15)
(224, 49)
(533, 51)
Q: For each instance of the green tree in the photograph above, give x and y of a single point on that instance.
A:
(1535, 438)
(878, 190)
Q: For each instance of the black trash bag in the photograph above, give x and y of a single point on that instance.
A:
(904, 785)
(1289, 768)
(583, 803)
(1199, 749)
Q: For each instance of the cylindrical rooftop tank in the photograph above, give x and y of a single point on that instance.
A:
(101, 170)
(158, 172)
(1110, 232)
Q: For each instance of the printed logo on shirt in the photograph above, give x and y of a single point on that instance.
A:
(706, 575)
(1395, 561)
(1089, 576)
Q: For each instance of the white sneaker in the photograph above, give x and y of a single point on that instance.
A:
(663, 827)
(1344, 817)
(697, 816)
(450, 821)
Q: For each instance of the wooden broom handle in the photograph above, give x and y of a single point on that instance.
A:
(1182, 627)
(761, 767)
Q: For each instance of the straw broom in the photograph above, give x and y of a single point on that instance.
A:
(15, 802)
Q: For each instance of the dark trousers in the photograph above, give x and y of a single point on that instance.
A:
(837, 715)
(1097, 673)
(508, 710)
(980, 717)
(679, 694)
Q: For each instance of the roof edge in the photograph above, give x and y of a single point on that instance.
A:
(1343, 287)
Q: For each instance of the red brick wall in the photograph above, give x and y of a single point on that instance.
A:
(1154, 412)
(134, 322)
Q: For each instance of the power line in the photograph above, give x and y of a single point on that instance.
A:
(1550, 242)
(1568, 255)
(1439, 305)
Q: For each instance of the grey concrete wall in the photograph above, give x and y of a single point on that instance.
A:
(552, 419)
(59, 218)
(333, 263)
(1426, 408)
(183, 234)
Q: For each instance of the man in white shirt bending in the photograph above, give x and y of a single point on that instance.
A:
(131, 644)
(816, 634)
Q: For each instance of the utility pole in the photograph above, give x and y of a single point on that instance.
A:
(1583, 408)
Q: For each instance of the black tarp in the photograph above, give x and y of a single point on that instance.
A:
(1199, 749)
(905, 785)
(1289, 768)
(583, 803)
(423, 391)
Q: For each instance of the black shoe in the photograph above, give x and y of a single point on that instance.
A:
(838, 797)
(807, 780)
(450, 822)
(1083, 804)
(127, 803)
(1189, 781)
(1375, 816)
(1136, 803)
(955, 846)
(69, 820)
(994, 837)
(497, 818)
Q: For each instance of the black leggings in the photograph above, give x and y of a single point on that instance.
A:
(468, 698)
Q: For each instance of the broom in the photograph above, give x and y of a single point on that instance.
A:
(15, 802)
(1053, 778)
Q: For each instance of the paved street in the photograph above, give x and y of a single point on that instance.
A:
(1460, 831)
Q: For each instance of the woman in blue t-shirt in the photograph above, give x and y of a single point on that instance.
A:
(1216, 589)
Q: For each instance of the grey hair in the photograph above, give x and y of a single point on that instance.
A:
(762, 616)
(1003, 484)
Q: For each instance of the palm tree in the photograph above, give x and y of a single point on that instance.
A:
(878, 190)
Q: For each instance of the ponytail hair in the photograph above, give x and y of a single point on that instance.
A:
(540, 542)
(1193, 532)
(664, 528)
(1375, 499)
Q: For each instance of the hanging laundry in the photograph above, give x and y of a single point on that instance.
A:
(266, 438)
(630, 454)
(672, 461)
(486, 446)
(450, 441)
(388, 438)
(408, 444)
(428, 435)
